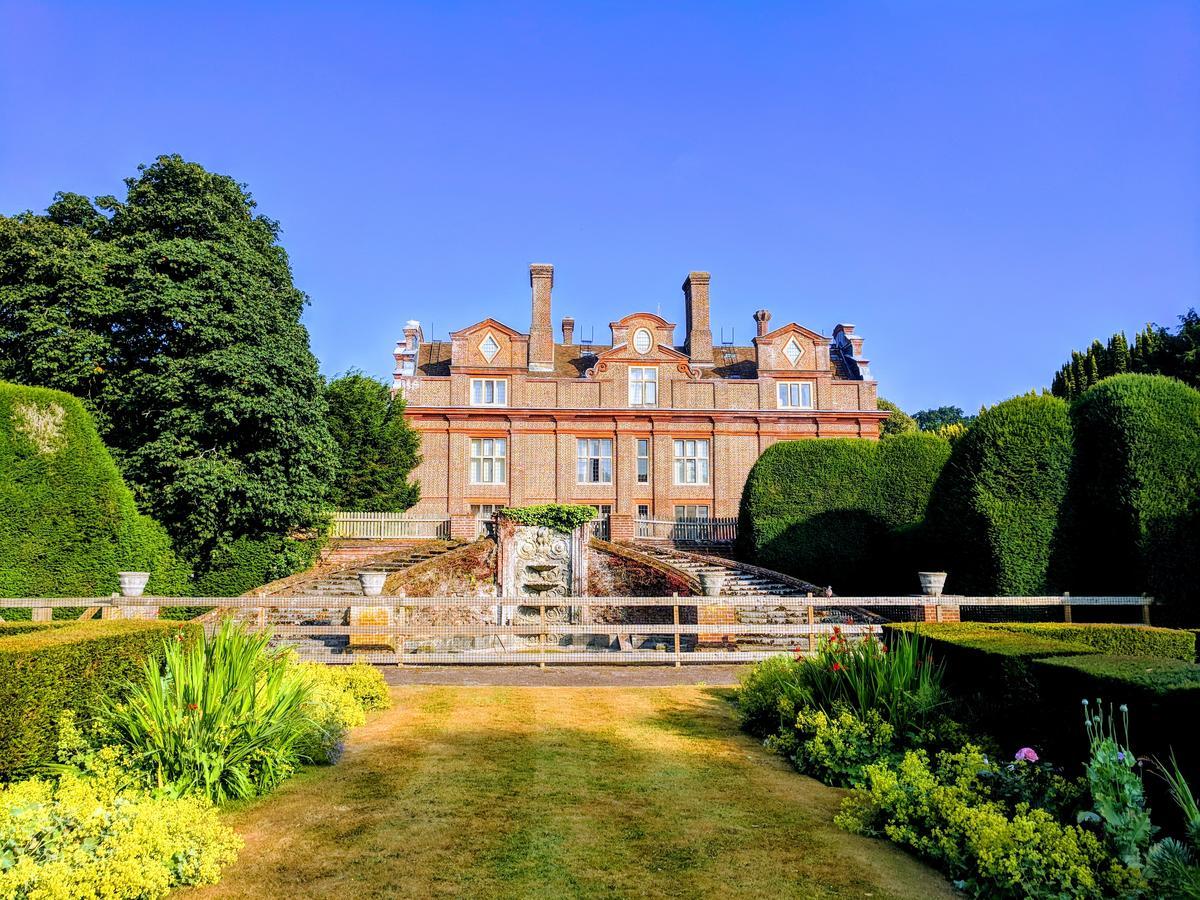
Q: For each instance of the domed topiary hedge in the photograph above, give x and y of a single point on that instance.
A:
(68, 523)
(1134, 501)
(841, 511)
(994, 514)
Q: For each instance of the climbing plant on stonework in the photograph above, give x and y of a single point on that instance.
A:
(172, 314)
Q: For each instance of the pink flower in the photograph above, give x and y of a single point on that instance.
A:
(1026, 754)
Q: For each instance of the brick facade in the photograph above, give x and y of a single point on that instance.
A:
(555, 394)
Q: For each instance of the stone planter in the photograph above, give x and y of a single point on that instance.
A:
(133, 584)
(932, 583)
(372, 583)
(711, 583)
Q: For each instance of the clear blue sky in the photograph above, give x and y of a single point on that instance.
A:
(980, 187)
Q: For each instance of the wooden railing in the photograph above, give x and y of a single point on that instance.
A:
(389, 526)
(598, 630)
(687, 531)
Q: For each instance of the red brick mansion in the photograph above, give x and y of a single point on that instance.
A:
(642, 428)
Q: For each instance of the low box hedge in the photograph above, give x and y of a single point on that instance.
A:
(8, 629)
(74, 666)
(1121, 640)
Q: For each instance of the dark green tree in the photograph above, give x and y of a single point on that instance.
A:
(172, 314)
(1155, 351)
(377, 448)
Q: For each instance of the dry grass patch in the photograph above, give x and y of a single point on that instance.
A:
(559, 792)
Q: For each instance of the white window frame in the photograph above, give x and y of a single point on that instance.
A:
(638, 445)
(694, 507)
(499, 391)
(495, 347)
(643, 391)
(489, 461)
(786, 391)
(591, 456)
(649, 340)
(691, 462)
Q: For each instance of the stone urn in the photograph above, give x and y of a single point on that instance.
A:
(133, 584)
(711, 583)
(372, 583)
(932, 583)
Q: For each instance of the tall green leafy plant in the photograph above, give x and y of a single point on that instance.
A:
(1118, 794)
(218, 717)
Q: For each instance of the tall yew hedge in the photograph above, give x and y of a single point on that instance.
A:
(841, 511)
(1134, 501)
(68, 523)
(993, 520)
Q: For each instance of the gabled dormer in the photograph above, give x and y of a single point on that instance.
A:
(792, 349)
(489, 344)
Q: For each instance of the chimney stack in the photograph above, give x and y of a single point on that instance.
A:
(541, 333)
(699, 333)
(568, 325)
(763, 318)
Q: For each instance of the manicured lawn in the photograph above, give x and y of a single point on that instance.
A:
(559, 792)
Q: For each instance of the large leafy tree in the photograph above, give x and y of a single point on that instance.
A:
(1155, 351)
(172, 314)
(377, 448)
(941, 417)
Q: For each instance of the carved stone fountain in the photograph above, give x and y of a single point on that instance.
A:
(536, 566)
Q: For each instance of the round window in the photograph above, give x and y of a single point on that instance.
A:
(642, 340)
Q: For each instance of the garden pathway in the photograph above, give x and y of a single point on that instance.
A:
(559, 792)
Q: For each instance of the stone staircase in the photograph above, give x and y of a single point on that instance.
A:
(743, 580)
(338, 583)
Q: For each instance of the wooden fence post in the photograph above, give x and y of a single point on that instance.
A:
(41, 614)
(1067, 607)
(1145, 610)
(812, 622)
(678, 662)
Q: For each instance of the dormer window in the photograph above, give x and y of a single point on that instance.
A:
(489, 347)
(642, 340)
(793, 352)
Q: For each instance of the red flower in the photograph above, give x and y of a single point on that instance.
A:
(837, 667)
(193, 706)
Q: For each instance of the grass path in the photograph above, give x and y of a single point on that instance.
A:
(558, 792)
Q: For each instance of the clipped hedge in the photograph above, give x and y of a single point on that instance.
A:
(841, 511)
(248, 563)
(8, 629)
(556, 516)
(1126, 640)
(994, 514)
(1134, 500)
(68, 523)
(73, 667)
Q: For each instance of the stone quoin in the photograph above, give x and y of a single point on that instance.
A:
(640, 427)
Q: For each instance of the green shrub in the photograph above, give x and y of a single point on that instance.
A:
(247, 563)
(83, 836)
(68, 668)
(68, 523)
(841, 511)
(762, 686)
(8, 629)
(556, 516)
(1115, 677)
(835, 747)
(994, 513)
(339, 699)
(1133, 507)
(898, 421)
(946, 815)
(219, 716)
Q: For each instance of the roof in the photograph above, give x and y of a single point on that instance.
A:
(570, 361)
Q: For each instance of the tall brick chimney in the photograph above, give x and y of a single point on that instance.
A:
(763, 318)
(541, 333)
(568, 325)
(699, 332)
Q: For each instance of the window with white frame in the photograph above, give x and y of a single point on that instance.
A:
(643, 460)
(691, 461)
(594, 460)
(489, 391)
(690, 513)
(642, 341)
(795, 394)
(489, 458)
(643, 385)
